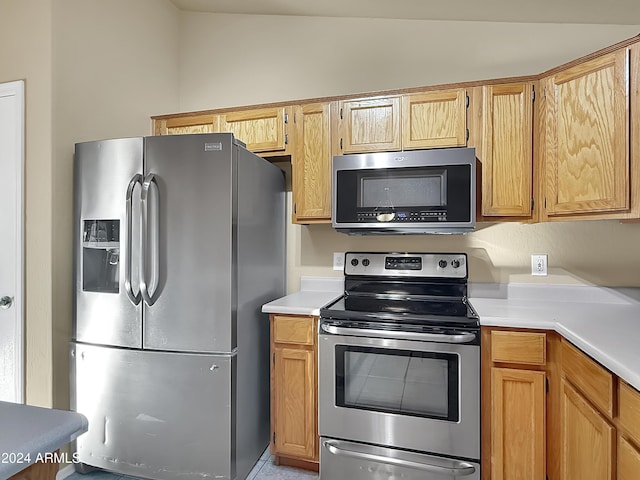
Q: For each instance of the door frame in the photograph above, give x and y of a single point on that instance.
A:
(17, 89)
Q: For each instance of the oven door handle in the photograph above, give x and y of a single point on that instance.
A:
(425, 337)
(453, 468)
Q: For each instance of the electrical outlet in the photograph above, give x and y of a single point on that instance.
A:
(539, 265)
(338, 260)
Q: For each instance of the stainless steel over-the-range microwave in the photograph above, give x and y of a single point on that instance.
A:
(417, 191)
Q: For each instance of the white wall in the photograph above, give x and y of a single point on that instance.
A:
(115, 64)
(25, 36)
(232, 60)
(93, 70)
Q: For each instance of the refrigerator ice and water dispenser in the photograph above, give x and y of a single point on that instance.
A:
(101, 256)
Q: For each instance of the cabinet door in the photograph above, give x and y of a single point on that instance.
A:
(587, 439)
(507, 152)
(518, 424)
(263, 130)
(295, 404)
(370, 125)
(190, 124)
(587, 137)
(434, 119)
(311, 164)
(628, 461)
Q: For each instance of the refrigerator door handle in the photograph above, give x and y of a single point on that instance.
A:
(133, 297)
(148, 286)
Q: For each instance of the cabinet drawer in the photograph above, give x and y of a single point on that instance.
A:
(293, 330)
(595, 382)
(629, 404)
(518, 347)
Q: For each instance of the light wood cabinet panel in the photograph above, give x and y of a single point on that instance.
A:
(634, 152)
(518, 420)
(506, 152)
(518, 347)
(294, 428)
(521, 394)
(434, 119)
(190, 124)
(297, 330)
(628, 460)
(588, 440)
(38, 471)
(370, 125)
(629, 410)
(587, 144)
(311, 164)
(294, 391)
(593, 380)
(262, 130)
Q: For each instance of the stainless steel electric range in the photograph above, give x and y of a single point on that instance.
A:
(399, 371)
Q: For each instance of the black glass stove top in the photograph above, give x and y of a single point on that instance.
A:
(439, 311)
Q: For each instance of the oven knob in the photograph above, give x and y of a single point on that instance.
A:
(365, 262)
(455, 263)
(442, 263)
(354, 262)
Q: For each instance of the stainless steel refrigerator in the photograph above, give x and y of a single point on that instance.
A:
(179, 240)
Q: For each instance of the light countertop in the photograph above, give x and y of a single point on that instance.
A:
(30, 432)
(314, 293)
(602, 322)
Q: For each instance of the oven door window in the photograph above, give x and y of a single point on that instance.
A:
(421, 384)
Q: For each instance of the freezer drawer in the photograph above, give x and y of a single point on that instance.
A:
(340, 460)
(158, 415)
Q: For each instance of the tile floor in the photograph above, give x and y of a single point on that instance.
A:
(264, 470)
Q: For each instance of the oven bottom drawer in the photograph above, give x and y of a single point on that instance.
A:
(341, 460)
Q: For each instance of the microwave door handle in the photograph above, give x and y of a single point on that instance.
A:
(425, 337)
(148, 286)
(133, 297)
(455, 469)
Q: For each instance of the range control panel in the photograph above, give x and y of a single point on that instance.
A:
(437, 265)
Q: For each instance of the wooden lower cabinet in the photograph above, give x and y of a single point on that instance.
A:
(550, 412)
(294, 404)
(628, 460)
(518, 424)
(39, 471)
(588, 439)
(519, 419)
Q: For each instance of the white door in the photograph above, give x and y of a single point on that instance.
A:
(11, 241)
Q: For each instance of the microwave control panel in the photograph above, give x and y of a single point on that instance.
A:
(404, 217)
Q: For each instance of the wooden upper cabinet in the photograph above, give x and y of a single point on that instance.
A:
(506, 150)
(190, 124)
(434, 119)
(587, 137)
(311, 164)
(264, 130)
(370, 125)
